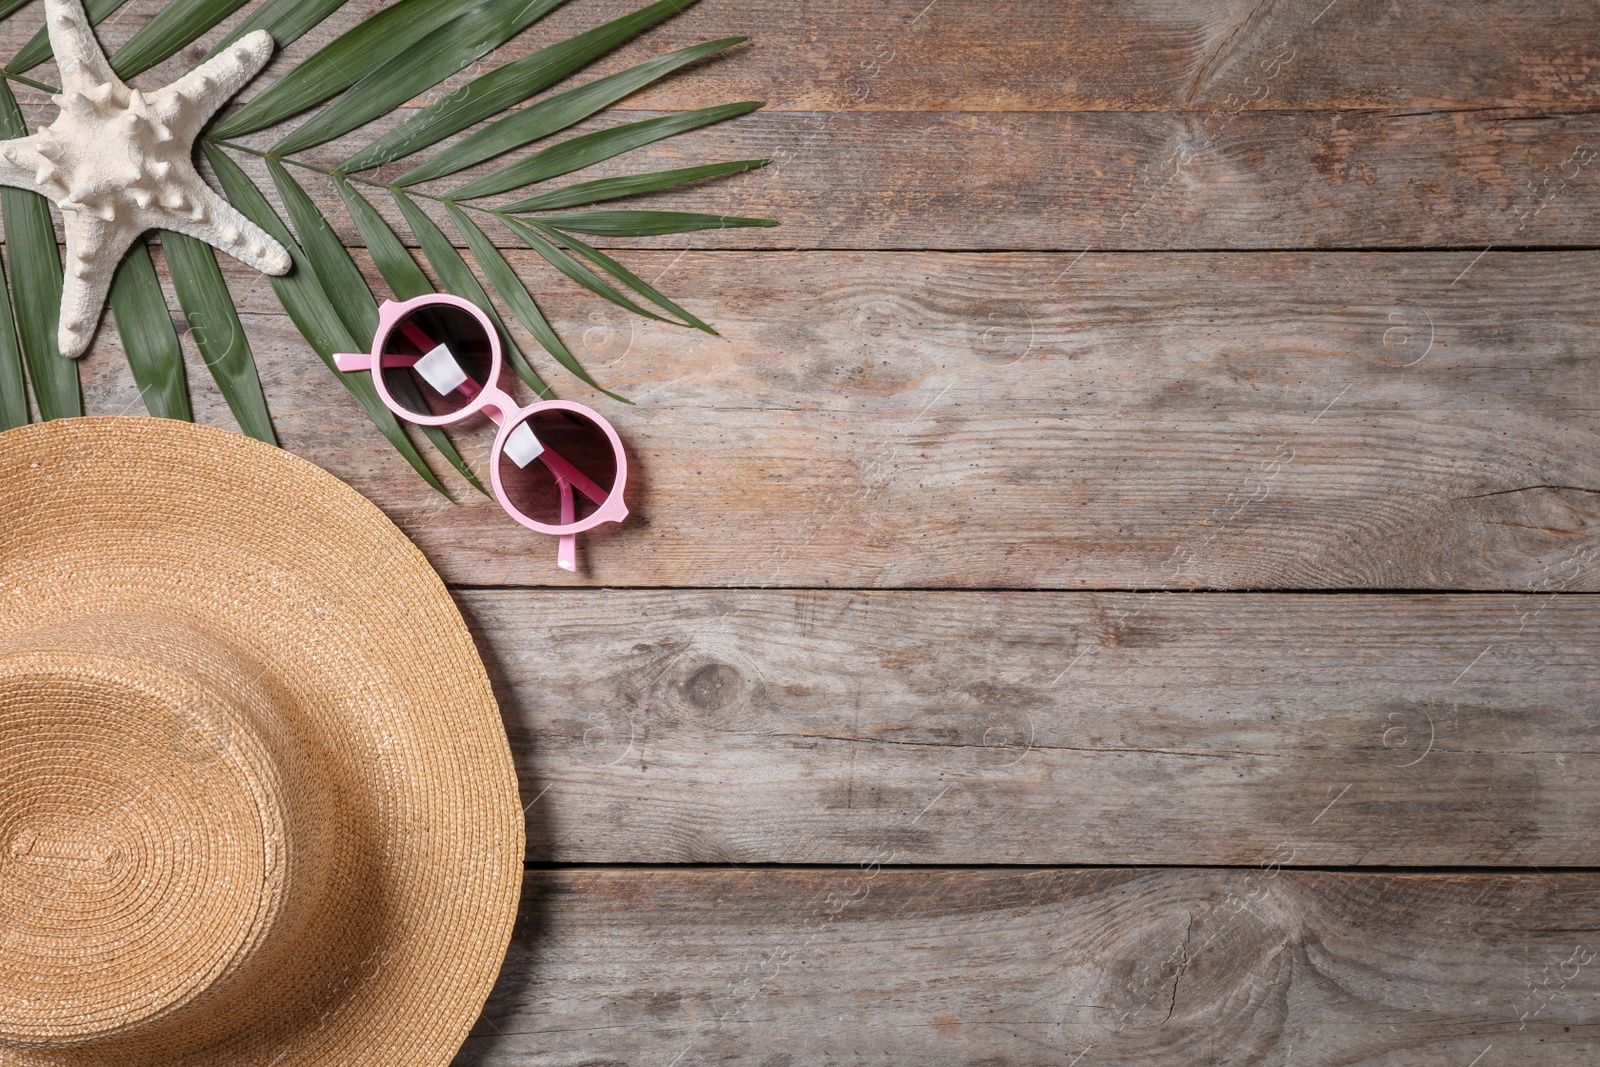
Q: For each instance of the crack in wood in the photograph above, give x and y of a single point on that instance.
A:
(1235, 31)
(1183, 965)
(1530, 489)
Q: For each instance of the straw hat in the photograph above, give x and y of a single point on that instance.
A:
(256, 801)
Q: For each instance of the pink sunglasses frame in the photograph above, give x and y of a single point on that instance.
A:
(501, 407)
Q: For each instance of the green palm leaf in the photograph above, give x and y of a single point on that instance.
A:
(612, 267)
(576, 271)
(317, 320)
(340, 64)
(556, 113)
(597, 147)
(504, 86)
(218, 334)
(36, 285)
(13, 389)
(37, 50)
(459, 279)
(174, 26)
(629, 185)
(471, 36)
(286, 20)
(340, 277)
(307, 303)
(11, 7)
(516, 295)
(646, 223)
(148, 338)
(406, 280)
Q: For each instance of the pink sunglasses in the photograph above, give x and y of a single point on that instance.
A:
(436, 360)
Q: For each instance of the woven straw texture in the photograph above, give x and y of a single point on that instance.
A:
(256, 800)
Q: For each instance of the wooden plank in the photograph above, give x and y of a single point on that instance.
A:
(1108, 180)
(1025, 421)
(1171, 967)
(1186, 178)
(822, 727)
(1066, 55)
(1117, 180)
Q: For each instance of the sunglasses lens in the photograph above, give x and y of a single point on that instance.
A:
(436, 360)
(555, 442)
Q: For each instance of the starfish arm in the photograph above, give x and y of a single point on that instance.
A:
(82, 64)
(91, 243)
(206, 216)
(188, 103)
(22, 166)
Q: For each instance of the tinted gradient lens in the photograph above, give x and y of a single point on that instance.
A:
(436, 360)
(552, 442)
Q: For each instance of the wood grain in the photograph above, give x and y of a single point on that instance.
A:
(832, 727)
(1113, 180)
(1102, 180)
(1167, 968)
(1120, 421)
(1188, 168)
(885, 410)
(1061, 55)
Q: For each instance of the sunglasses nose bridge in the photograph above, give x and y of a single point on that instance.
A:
(497, 406)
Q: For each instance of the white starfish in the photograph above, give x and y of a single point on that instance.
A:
(118, 162)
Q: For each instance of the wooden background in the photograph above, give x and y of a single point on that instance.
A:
(1121, 588)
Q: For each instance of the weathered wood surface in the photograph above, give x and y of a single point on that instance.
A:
(1225, 140)
(1023, 421)
(833, 727)
(1062, 55)
(924, 420)
(1259, 967)
(1114, 180)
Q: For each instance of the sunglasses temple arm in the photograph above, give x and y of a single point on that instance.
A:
(567, 554)
(346, 361)
(570, 476)
(415, 334)
(468, 388)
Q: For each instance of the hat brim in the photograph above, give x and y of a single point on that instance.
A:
(122, 516)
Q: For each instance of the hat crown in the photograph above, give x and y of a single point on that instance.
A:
(145, 843)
